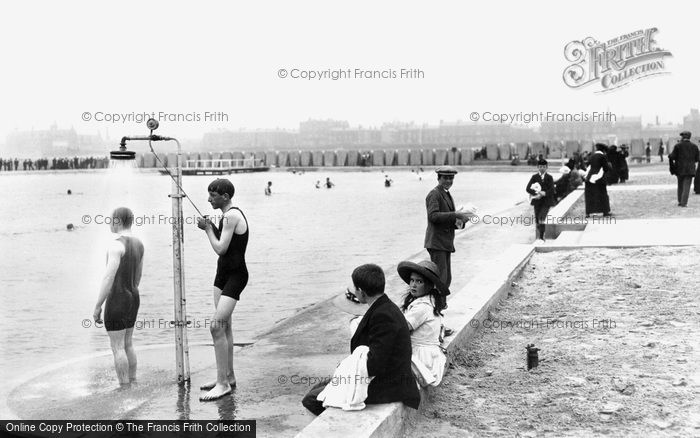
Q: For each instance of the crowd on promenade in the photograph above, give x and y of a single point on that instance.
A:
(15, 164)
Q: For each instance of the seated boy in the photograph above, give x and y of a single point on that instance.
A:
(384, 331)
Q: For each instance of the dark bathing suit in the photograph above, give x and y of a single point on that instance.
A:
(231, 270)
(123, 301)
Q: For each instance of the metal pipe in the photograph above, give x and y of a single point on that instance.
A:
(182, 356)
(180, 302)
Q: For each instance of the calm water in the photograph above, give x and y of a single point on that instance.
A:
(304, 243)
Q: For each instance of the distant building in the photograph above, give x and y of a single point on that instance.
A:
(627, 128)
(582, 131)
(53, 142)
(691, 122)
(247, 140)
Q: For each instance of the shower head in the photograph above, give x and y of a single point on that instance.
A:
(122, 153)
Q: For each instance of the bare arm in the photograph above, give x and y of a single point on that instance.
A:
(233, 221)
(114, 256)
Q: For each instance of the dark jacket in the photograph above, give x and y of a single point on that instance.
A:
(440, 233)
(547, 185)
(683, 158)
(384, 330)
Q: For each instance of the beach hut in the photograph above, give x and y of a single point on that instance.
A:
(522, 149)
(492, 151)
(402, 157)
(504, 151)
(415, 157)
(149, 161)
(389, 157)
(572, 147)
(271, 158)
(537, 148)
(294, 158)
(283, 159)
(466, 155)
(441, 156)
(328, 158)
(316, 158)
(428, 157)
(377, 157)
(341, 158)
(638, 147)
(353, 157)
(306, 159)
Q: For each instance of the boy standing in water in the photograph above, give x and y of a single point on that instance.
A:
(120, 288)
(229, 241)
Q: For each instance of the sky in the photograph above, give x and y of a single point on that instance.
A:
(64, 60)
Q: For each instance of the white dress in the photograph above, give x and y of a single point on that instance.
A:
(427, 359)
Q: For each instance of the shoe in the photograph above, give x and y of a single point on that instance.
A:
(448, 332)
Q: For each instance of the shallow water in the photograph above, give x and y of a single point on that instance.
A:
(304, 243)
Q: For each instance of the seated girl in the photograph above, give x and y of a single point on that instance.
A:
(422, 309)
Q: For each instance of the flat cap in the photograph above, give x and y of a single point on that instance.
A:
(686, 134)
(446, 170)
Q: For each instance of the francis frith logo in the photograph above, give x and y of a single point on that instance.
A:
(616, 62)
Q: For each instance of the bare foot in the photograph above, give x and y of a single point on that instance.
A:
(216, 392)
(210, 385)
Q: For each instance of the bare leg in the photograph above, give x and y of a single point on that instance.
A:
(229, 340)
(130, 354)
(121, 363)
(220, 323)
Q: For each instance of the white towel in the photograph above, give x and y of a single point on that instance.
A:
(597, 176)
(348, 387)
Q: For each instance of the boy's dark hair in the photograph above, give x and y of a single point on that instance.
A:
(369, 278)
(222, 186)
(123, 216)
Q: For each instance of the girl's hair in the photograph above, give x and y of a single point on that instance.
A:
(438, 300)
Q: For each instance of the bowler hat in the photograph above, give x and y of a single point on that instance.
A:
(446, 170)
(429, 270)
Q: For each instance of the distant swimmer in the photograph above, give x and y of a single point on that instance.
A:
(387, 181)
(70, 227)
(329, 184)
(229, 241)
(318, 184)
(120, 289)
(268, 189)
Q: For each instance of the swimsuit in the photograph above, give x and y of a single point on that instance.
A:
(123, 301)
(231, 270)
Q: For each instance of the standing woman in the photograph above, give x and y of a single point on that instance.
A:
(422, 308)
(120, 288)
(596, 192)
(229, 241)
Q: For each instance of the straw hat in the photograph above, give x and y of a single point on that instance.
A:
(425, 268)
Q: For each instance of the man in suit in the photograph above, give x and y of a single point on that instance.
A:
(384, 331)
(542, 196)
(442, 222)
(682, 162)
(596, 192)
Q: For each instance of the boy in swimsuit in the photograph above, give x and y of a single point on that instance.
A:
(120, 288)
(229, 241)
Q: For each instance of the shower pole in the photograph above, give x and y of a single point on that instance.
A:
(182, 354)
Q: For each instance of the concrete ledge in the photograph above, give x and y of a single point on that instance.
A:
(554, 226)
(468, 308)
